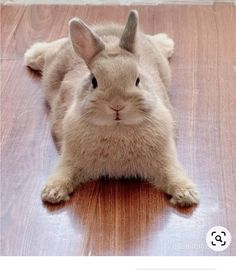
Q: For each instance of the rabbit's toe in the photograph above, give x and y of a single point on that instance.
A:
(184, 196)
(55, 193)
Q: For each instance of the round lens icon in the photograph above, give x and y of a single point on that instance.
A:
(218, 238)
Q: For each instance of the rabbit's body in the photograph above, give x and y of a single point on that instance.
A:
(135, 140)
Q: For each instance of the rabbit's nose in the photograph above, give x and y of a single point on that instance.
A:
(117, 108)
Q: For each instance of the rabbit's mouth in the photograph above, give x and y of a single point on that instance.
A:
(117, 118)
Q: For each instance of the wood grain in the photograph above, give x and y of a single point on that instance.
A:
(125, 217)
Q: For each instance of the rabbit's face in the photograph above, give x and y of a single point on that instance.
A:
(116, 92)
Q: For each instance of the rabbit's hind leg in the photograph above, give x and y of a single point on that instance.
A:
(34, 57)
(165, 43)
(37, 54)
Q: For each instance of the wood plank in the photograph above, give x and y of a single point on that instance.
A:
(10, 18)
(121, 217)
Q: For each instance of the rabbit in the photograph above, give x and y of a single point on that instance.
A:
(107, 89)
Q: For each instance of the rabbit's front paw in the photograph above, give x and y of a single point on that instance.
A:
(55, 192)
(184, 196)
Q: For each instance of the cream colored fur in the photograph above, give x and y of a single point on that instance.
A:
(120, 128)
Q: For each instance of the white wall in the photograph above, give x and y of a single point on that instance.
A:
(114, 1)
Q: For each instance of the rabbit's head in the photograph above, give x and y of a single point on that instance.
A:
(117, 90)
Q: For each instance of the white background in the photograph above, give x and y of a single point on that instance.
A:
(119, 263)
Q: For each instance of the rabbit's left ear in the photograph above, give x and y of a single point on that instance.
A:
(85, 41)
(128, 38)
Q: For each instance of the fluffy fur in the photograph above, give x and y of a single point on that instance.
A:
(107, 86)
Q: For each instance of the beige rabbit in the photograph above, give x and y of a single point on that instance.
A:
(107, 90)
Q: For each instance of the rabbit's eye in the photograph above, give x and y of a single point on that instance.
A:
(94, 82)
(137, 82)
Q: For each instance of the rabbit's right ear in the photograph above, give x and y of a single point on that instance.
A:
(129, 36)
(85, 41)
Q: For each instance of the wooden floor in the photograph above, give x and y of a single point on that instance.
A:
(121, 217)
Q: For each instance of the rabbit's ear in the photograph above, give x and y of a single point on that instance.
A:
(85, 41)
(128, 38)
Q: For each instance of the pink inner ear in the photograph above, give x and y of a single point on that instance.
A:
(85, 42)
(86, 46)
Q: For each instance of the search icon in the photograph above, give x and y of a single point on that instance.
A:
(218, 238)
